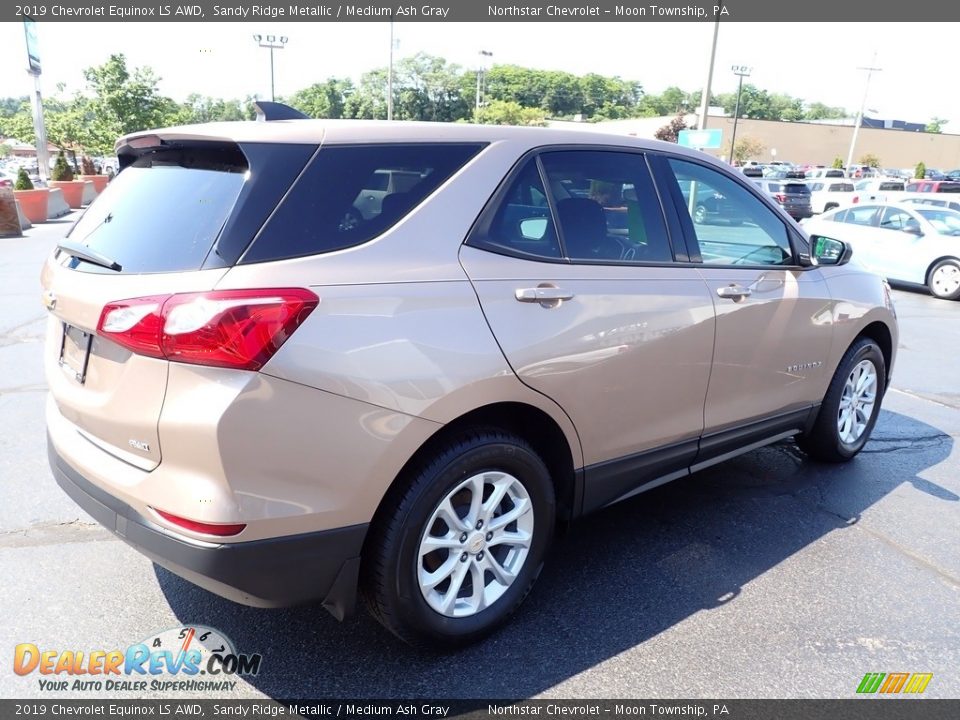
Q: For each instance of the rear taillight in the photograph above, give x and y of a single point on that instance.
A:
(855, 199)
(781, 198)
(239, 329)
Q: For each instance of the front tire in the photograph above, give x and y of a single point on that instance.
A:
(851, 406)
(462, 541)
(944, 280)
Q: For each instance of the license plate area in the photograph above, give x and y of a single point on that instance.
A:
(75, 347)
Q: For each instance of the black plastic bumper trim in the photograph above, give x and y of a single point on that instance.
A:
(276, 572)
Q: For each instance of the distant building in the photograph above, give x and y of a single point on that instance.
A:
(896, 143)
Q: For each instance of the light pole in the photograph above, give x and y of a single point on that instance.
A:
(484, 54)
(863, 103)
(742, 71)
(394, 44)
(272, 44)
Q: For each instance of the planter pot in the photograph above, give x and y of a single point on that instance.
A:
(99, 181)
(72, 191)
(33, 203)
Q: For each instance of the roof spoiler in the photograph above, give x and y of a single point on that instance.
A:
(267, 111)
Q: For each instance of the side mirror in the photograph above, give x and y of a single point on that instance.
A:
(827, 251)
(533, 228)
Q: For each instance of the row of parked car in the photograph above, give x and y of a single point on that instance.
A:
(907, 230)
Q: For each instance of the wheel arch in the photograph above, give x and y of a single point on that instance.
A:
(532, 424)
(881, 335)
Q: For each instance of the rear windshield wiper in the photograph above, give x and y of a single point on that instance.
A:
(82, 252)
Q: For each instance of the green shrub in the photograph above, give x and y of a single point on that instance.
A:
(921, 172)
(62, 172)
(86, 166)
(23, 181)
(838, 163)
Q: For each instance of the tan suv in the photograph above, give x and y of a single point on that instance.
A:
(284, 407)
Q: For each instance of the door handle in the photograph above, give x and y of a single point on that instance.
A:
(548, 296)
(734, 292)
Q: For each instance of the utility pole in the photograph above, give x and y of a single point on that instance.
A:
(705, 100)
(863, 104)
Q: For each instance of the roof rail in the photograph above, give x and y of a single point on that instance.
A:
(267, 111)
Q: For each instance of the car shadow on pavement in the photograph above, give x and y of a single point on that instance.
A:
(617, 579)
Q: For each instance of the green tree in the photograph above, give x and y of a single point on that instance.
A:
(201, 109)
(61, 169)
(936, 125)
(921, 171)
(327, 99)
(23, 181)
(838, 163)
(508, 112)
(870, 160)
(747, 148)
(123, 101)
(819, 111)
(369, 102)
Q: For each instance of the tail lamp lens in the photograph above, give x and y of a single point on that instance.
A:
(239, 329)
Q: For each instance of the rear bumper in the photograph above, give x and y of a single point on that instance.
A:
(275, 572)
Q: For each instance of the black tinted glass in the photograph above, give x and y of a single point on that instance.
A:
(522, 223)
(351, 194)
(164, 212)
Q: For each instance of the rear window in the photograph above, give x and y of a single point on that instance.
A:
(891, 186)
(833, 173)
(796, 189)
(949, 188)
(350, 194)
(164, 212)
(841, 187)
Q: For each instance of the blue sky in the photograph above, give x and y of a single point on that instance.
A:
(815, 61)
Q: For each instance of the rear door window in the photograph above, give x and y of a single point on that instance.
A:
(328, 207)
(607, 207)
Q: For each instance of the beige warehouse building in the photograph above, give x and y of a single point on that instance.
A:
(816, 143)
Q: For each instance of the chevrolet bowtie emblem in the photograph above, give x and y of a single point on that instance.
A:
(49, 300)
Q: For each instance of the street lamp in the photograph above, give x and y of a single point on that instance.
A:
(394, 44)
(484, 54)
(741, 71)
(270, 41)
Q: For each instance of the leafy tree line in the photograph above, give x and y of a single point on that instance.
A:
(118, 99)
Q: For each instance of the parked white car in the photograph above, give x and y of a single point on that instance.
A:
(877, 190)
(817, 173)
(946, 200)
(907, 243)
(829, 193)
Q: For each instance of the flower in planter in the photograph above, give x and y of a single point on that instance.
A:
(23, 181)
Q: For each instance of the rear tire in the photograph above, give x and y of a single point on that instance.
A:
(851, 406)
(944, 279)
(461, 542)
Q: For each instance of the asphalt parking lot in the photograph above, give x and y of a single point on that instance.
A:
(768, 576)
